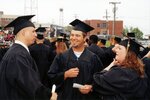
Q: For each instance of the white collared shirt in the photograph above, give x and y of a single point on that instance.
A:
(19, 42)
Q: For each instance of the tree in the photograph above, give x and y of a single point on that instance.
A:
(137, 31)
(125, 30)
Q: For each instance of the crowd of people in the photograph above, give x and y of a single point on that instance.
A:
(81, 68)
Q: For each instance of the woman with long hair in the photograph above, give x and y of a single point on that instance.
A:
(124, 78)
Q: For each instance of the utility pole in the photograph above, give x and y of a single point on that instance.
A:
(75, 16)
(107, 30)
(31, 7)
(114, 12)
(61, 19)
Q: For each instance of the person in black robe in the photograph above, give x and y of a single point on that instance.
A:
(19, 77)
(60, 44)
(109, 54)
(3, 50)
(76, 65)
(105, 60)
(146, 61)
(144, 52)
(124, 78)
(47, 42)
(43, 56)
(93, 39)
(102, 43)
(46, 39)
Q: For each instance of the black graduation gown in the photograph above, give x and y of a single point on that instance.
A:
(144, 52)
(98, 51)
(120, 84)
(104, 48)
(88, 63)
(2, 52)
(146, 61)
(43, 57)
(47, 42)
(19, 79)
(109, 55)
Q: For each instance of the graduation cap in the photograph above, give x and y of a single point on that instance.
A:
(20, 23)
(93, 38)
(40, 32)
(61, 39)
(81, 26)
(131, 34)
(118, 39)
(103, 41)
(41, 29)
(63, 34)
(132, 45)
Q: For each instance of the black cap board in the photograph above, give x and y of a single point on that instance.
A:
(20, 23)
(81, 26)
(131, 44)
(41, 29)
(62, 38)
(93, 38)
(131, 34)
(118, 39)
(103, 41)
(40, 32)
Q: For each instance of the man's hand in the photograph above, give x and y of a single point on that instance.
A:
(73, 72)
(85, 89)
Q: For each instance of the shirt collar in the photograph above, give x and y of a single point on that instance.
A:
(19, 42)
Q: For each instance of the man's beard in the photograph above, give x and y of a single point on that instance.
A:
(74, 46)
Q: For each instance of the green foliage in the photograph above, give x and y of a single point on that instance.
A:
(137, 31)
(107, 43)
(68, 28)
(125, 30)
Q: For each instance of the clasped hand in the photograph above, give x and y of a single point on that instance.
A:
(85, 89)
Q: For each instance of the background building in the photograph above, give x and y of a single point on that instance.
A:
(102, 27)
(5, 19)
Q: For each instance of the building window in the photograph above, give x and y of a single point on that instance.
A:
(98, 24)
(103, 25)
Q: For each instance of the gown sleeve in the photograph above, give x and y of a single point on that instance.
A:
(56, 72)
(111, 82)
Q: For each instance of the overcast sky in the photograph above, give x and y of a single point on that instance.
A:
(135, 13)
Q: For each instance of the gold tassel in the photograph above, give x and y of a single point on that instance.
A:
(128, 45)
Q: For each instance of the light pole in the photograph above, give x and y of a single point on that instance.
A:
(61, 19)
(107, 25)
(114, 12)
